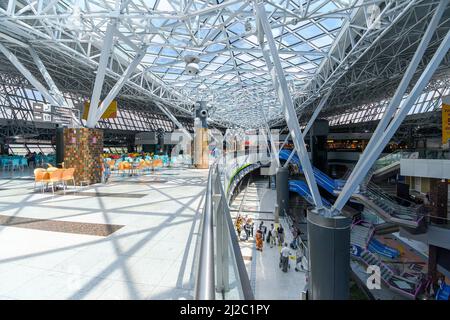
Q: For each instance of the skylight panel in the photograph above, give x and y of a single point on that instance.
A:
(308, 66)
(237, 28)
(310, 32)
(158, 39)
(164, 5)
(253, 39)
(169, 52)
(169, 76)
(212, 67)
(257, 63)
(322, 41)
(245, 57)
(331, 24)
(289, 40)
(221, 59)
(215, 47)
(163, 60)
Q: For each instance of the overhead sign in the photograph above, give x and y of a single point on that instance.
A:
(110, 112)
(45, 112)
(445, 119)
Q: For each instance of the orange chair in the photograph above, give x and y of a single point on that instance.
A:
(40, 175)
(68, 175)
(141, 166)
(51, 169)
(124, 165)
(111, 164)
(55, 177)
(158, 163)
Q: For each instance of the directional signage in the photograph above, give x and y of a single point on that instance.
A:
(45, 112)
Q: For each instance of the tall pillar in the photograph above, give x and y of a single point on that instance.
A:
(438, 199)
(282, 185)
(329, 256)
(201, 152)
(319, 153)
(83, 148)
(59, 146)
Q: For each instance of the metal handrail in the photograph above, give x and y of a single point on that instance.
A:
(205, 288)
(205, 285)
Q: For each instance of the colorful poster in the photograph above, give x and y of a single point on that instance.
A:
(445, 120)
(110, 112)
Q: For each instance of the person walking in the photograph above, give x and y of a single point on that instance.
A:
(247, 229)
(262, 228)
(280, 235)
(284, 257)
(259, 240)
(273, 236)
(299, 260)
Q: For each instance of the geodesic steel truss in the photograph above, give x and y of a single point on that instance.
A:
(319, 41)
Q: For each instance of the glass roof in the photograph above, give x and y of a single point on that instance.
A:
(222, 35)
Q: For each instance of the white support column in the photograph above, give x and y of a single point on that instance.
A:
(120, 83)
(409, 73)
(101, 71)
(53, 88)
(288, 105)
(11, 7)
(316, 113)
(173, 118)
(359, 175)
(27, 74)
(285, 141)
(310, 123)
(274, 152)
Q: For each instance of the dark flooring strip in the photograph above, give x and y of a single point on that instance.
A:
(93, 229)
(141, 182)
(102, 194)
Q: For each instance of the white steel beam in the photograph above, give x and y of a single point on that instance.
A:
(173, 118)
(27, 74)
(310, 123)
(288, 105)
(101, 71)
(275, 151)
(359, 175)
(316, 113)
(401, 89)
(53, 88)
(120, 83)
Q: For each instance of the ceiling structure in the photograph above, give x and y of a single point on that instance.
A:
(354, 49)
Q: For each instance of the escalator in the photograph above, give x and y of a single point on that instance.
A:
(388, 208)
(323, 180)
(388, 166)
(302, 189)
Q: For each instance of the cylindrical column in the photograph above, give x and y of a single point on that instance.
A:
(282, 184)
(329, 256)
(201, 154)
(59, 146)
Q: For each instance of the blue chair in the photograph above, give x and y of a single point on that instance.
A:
(23, 162)
(15, 163)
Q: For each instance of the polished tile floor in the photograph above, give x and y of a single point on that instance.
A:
(150, 257)
(268, 281)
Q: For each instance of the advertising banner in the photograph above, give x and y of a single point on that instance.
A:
(110, 112)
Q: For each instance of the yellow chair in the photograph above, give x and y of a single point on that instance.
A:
(40, 175)
(68, 175)
(54, 177)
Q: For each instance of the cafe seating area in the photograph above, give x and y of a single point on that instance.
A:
(53, 177)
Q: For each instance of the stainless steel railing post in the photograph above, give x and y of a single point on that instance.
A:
(204, 289)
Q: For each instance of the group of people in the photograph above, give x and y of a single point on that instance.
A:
(245, 223)
(274, 236)
(31, 158)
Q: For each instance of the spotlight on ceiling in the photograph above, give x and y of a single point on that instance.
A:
(248, 25)
(192, 66)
